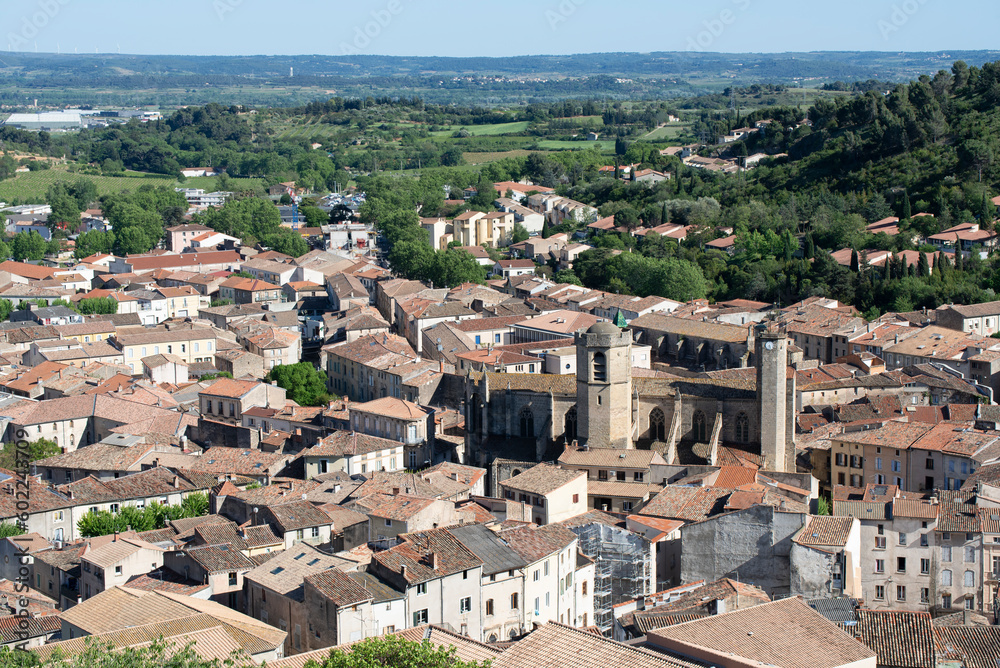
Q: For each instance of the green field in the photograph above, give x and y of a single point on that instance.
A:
(668, 131)
(562, 144)
(31, 186)
(484, 130)
(493, 156)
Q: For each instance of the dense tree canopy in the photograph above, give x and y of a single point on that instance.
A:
(305, 384)
(153, 516)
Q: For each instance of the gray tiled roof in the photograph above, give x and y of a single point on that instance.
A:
(497, 556)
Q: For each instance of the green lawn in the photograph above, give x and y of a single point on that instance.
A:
(31, 186)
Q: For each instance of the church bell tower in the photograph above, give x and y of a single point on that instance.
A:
(771, 352)
(604, 386)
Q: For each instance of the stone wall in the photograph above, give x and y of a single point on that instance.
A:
(751, 545)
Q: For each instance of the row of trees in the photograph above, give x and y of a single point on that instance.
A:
(153, 516)
(391, 651)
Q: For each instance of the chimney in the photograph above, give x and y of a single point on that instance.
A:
(395, 491)
(402, 571)
(177, 482)
(115, 539)
(432, 560)
(454, 476)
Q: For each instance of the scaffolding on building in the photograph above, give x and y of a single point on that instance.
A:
(622, 568)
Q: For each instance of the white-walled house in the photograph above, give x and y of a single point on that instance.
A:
(553, 493)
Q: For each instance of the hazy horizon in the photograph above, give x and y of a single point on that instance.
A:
(447, 28)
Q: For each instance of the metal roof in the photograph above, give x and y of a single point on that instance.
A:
(497, 556)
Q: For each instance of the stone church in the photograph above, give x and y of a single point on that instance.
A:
(531, 417)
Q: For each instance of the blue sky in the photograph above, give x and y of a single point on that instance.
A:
(477, 28)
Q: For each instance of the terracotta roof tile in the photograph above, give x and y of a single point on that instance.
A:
(542, 479)
(558, 646)
(825, 531)
(785, 633)
(427, 555)
(898, 638)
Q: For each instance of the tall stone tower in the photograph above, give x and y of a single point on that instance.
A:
(771, 351)
(604, 386)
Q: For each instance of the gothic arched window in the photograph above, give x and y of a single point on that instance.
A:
(527, 423)
(657, 425)
(569, 424)
(473, 418)
(742, 428)
(700, 426)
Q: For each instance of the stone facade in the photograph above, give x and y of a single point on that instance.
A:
(532, 417)
(752, 545)
(774, 389)
(603, 363)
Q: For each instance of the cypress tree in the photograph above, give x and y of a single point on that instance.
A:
(906, 206)
(854, 261)
(923, 269)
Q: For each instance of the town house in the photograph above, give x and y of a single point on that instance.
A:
(179, 237)
(401, 513)
(553, 493)
(242, 290)
(350, 606)
(112, 564)
(380, 365)
(441, 578)
(399, 420)
(228, 398)
(220, 566)
(190, 344)
(275, 592)
(352, 452)
(551, 590)
(275, 346)
(298, 522)
(503, 581)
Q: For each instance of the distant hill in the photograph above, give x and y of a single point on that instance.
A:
(104, 79)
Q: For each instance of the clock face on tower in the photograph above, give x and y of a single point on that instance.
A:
(769, 345)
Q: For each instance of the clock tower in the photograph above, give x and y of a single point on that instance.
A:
(774, 399)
